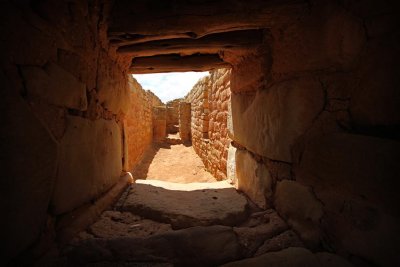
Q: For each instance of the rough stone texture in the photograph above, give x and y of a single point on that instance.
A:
(202, 205)
(159, 123)
(284, 240)
(185, 132)
(298, 205)
(354, 177)
(331, 37)
(173, 116)
(28, 164)
(97, 145)
(209, 99)
(253, 179)
(51, 59)
(261, 226)
(138, 126)
(196, 246)
(114, 224)
(231, 166)
(55, 85)
(293, 257)
(269, 122)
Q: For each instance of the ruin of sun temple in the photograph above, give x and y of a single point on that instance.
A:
(285, 153)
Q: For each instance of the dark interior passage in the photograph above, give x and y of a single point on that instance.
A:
(299, 113)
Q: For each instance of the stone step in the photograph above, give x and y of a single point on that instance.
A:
(187, 205)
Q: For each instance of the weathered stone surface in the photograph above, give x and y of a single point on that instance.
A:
(355, 176)
(138, 124)
(90, 162)
(370, 105)
(209, 100)
(159, 123)
(55, 85)
(203, 205)
(253, 179)
(114, 224)
(331, 260)
(196, 246)
(260, 227)
(293, 257)
(185, 121)
(231, 165)
(327, 37)
(284, 240)
(269, 122)
(290, 257)
(28, 162)
(297, 204)
(112, 85)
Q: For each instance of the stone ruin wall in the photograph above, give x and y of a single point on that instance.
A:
(314, 119)
(64, 86)
(209, 100)
(139, 122)
(173, 116)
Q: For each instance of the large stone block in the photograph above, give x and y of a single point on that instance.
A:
(299, 206)
(112, 85)
(356, 177)
(55, 85)
(253, 179)
(327, 37)
(90, 162)
(375, 100)
(269, 122)
(28, 161)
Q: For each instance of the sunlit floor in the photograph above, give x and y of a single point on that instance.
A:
(177, 163)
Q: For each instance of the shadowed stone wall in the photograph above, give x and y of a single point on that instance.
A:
(65, 99)
(315, 128)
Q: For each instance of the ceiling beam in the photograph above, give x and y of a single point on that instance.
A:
(176, 63)
(209, 44)
(142, 19)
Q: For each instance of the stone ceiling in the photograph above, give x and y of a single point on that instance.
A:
(193, 35)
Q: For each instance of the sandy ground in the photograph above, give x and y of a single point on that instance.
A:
(177, 163)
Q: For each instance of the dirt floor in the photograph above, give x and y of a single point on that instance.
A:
(172, 161)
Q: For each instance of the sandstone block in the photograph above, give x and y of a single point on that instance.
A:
(55, 85)
(253, 179)
(28, 162)
(90, 162)
(293, 257)
(224, 206)
(299, 206)
(112, 85)
(355, 176)
(328, 36)
(269, 122)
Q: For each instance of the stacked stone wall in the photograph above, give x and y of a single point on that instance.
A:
(315, 131)
(173, 116)
(209, 99)
(65, 105)
(139, 123)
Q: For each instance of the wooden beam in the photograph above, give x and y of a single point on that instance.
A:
(209, 44)
(198, 18)
(172, 63)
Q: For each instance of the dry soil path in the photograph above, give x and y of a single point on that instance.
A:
(172, 162)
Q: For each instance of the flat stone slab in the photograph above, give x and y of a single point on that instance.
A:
(187, 205)
(196, 246)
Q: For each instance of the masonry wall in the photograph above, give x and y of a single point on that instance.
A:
(138, 123)
(173, 116)
(64, 98)
(315, 128)
(209, 100)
